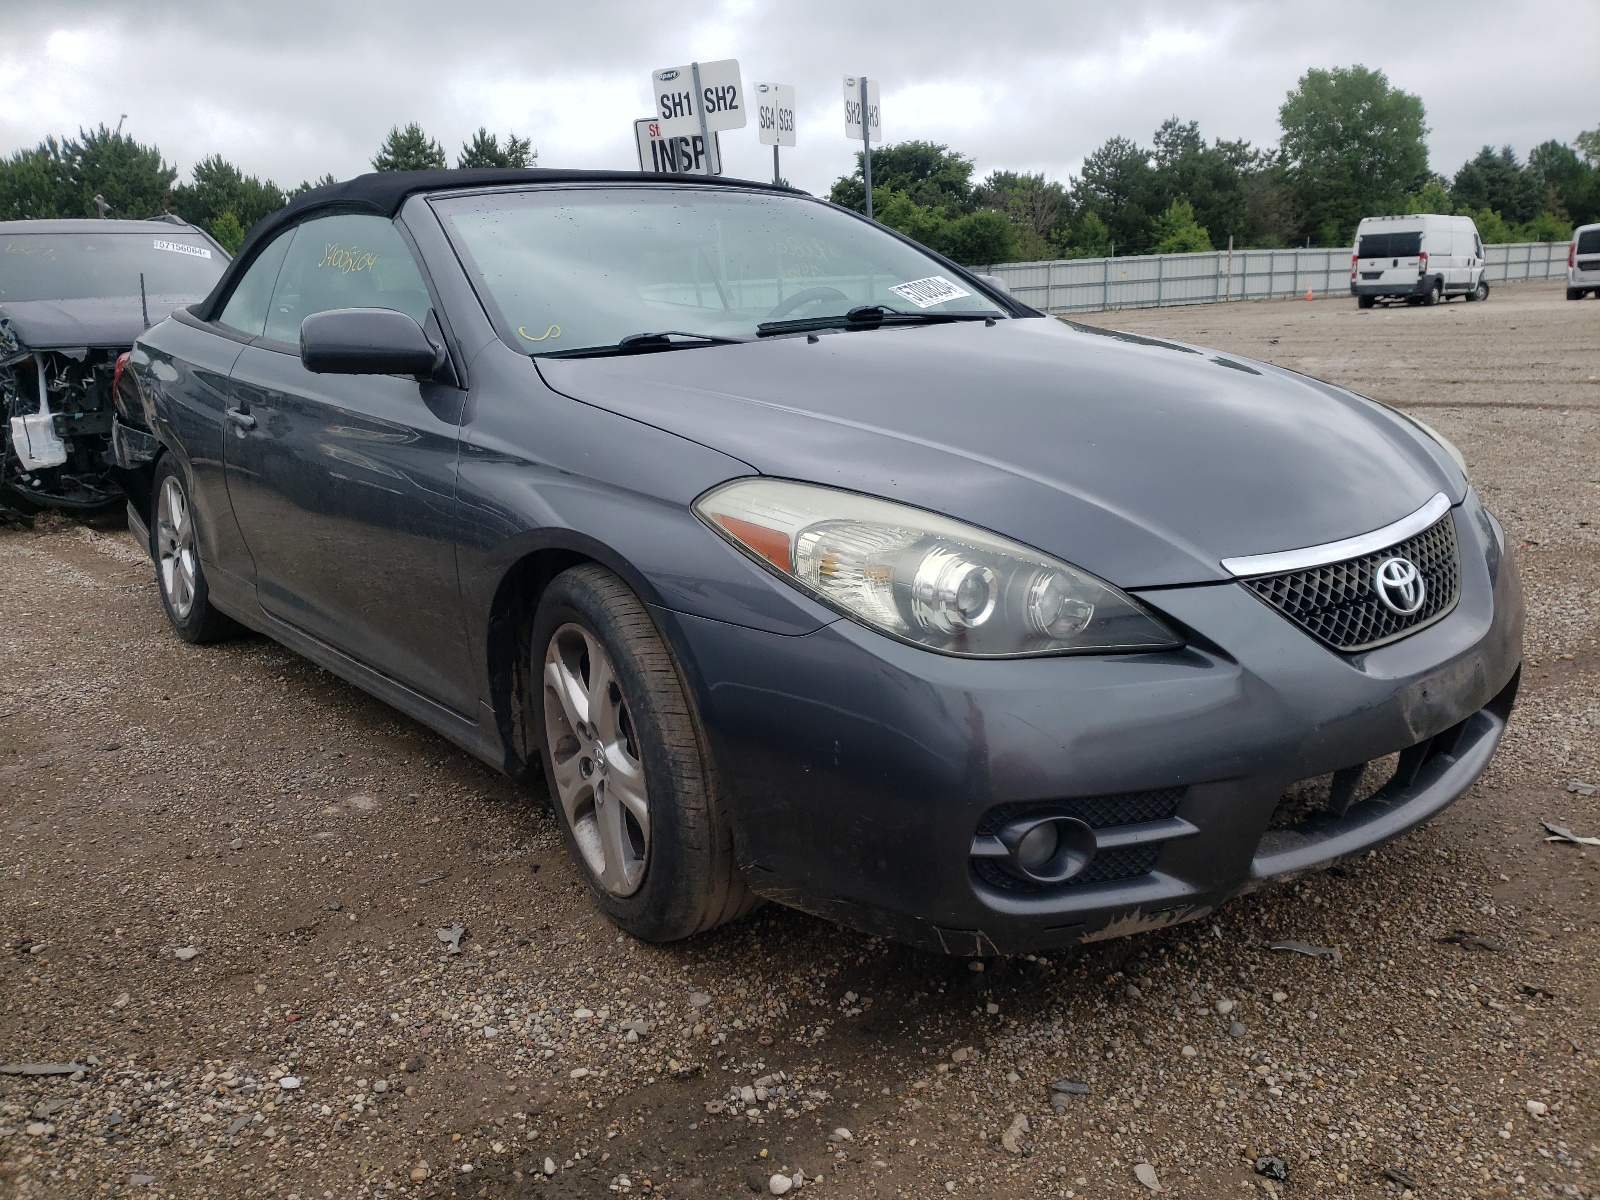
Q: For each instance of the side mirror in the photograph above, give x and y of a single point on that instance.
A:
(367, 341)
(996, 283)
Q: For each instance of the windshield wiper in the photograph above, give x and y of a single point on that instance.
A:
(644, 343)
(868, 316)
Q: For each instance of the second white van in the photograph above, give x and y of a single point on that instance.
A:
(1583, 263)
(1419, 259)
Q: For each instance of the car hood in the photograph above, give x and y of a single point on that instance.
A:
(98, 321)
(1146, 462)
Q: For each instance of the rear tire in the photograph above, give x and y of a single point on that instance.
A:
(1366, 301)
(1434, 294)
(630, 778)
(1576, 293)
(175, 549)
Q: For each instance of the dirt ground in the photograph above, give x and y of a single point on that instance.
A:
(223, 873)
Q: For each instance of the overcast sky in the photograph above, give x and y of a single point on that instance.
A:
(290, 89)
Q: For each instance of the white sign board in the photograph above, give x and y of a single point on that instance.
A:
(683, 155)
(678, 106)
(852, 109)
(774, 113)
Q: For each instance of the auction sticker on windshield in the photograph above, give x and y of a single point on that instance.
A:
(925, 293)
(180, 248)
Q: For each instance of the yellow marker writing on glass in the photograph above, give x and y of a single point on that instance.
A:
(553, 331)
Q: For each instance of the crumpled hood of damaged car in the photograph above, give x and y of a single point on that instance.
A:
(1142, 461)
(98, 321)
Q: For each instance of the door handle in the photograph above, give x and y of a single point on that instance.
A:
(240, 418)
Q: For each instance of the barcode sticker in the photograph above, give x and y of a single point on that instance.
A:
(925, 293)
(181, 248)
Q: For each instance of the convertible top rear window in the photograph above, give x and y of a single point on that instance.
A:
(78, 266)
(573, 268)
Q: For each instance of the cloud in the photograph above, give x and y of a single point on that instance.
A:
(294, 89)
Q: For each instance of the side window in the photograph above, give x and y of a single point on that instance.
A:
(246, 309)
(346, 261)
(1477, 244)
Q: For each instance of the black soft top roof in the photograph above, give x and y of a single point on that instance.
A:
(384, 192)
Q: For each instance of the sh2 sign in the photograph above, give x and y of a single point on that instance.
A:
(683, 155)
(698, 97)
(853, 110)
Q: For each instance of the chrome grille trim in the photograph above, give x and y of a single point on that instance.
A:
(1331, 552)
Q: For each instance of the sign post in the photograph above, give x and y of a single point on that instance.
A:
(861, 121)
(775, 119)
(698, 99)
(705, 133)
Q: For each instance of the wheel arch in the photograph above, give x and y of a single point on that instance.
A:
(507, 652)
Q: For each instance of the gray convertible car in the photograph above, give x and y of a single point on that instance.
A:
(806, 565)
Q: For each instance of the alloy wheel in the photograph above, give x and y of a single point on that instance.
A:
(594, 752)
(175, 553)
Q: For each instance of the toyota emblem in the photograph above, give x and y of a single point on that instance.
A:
(1399, 585)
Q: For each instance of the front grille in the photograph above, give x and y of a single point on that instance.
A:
(1098, 812)
(1338, 605)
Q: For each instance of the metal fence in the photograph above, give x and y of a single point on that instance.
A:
(1156, 280)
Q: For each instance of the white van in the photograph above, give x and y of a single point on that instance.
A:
(1422, 260)
(1583, 263)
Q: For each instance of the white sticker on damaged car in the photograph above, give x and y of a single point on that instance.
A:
(181, 248)
(925, 293)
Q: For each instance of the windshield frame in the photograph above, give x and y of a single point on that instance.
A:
(1008, 304)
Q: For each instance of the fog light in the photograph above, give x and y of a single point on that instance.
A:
(1047, 847)
(1037, 847)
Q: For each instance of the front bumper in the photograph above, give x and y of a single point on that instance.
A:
(858, 770)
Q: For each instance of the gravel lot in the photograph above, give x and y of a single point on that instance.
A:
(223, 873)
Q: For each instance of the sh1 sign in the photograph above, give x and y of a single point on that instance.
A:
(775, 119)
(684, 155)
(699, 97)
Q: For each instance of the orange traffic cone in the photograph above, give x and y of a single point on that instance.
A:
(1308, 293)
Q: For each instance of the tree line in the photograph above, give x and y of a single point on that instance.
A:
(105, 172)
(1351, 146)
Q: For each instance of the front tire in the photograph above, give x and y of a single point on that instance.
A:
(1480, 291)
(629, 776)
(180, 576)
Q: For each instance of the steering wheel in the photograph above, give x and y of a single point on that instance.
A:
(813, 295)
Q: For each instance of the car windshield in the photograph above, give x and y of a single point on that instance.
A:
(571, 269)
(79, 266)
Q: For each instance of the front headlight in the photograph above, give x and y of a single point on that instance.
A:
(924, 578)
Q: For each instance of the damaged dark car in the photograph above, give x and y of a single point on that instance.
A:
(73, 297)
